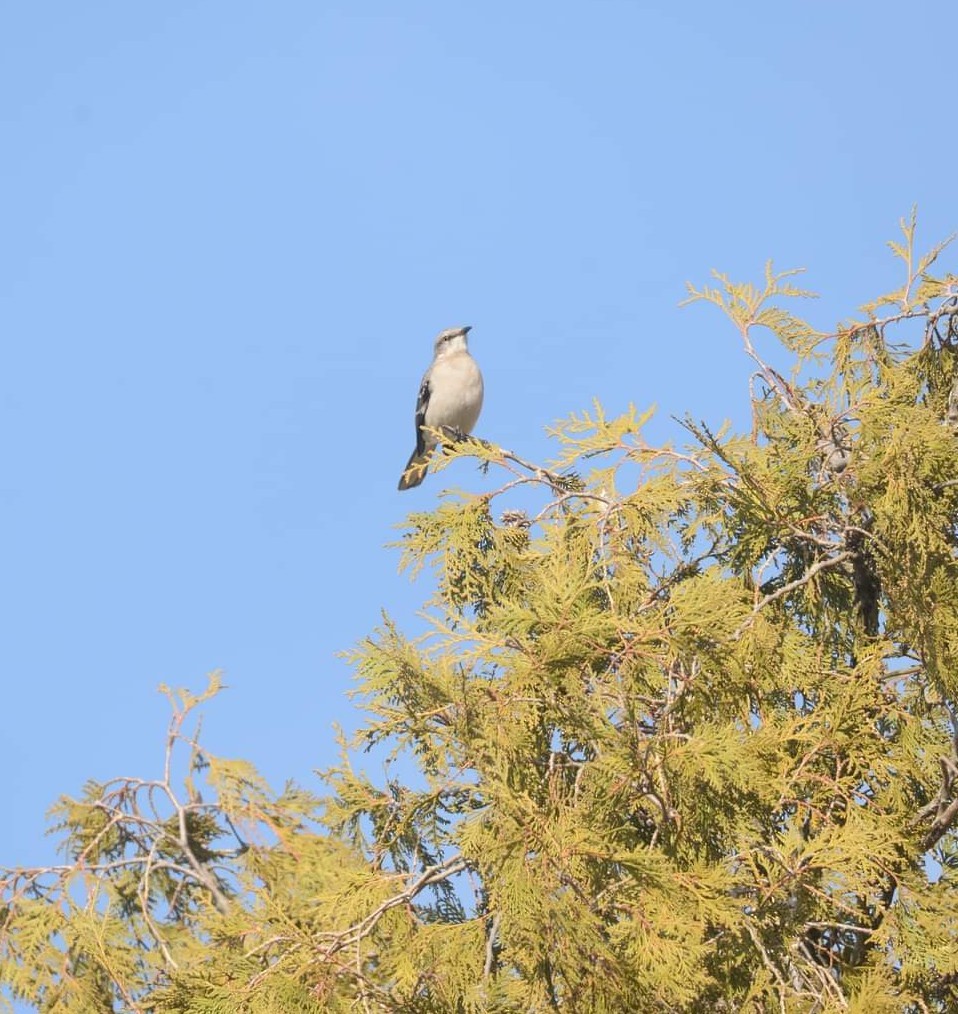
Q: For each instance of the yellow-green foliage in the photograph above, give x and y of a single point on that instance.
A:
(683, 720)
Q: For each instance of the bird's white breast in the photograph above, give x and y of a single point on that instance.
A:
(455, 396)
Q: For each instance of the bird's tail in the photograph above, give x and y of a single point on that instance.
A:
(415, 471)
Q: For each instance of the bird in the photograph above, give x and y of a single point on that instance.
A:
(450, 397)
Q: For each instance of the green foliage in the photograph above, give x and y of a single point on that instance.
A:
(684, 721)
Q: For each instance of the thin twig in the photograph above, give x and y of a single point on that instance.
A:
(823, 564)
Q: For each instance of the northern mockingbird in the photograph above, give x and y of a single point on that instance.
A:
(450, 396)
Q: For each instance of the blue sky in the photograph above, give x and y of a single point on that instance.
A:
(230, 232)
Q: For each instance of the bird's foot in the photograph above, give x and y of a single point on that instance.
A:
(453, 434)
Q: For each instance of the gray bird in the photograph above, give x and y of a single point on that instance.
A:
(450, 396)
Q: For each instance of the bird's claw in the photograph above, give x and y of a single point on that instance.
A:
(453, 434)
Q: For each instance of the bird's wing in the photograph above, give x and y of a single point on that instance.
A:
(422, 403)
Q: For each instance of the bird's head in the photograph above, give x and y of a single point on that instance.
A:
(453, 339)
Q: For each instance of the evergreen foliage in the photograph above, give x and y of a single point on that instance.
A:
(684, 723)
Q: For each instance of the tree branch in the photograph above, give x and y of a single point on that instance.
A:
(816, 568)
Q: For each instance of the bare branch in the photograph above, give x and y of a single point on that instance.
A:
(816, 568)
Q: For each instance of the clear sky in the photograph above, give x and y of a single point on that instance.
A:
(229, 233)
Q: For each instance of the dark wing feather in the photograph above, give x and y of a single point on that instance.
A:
(422, 403)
